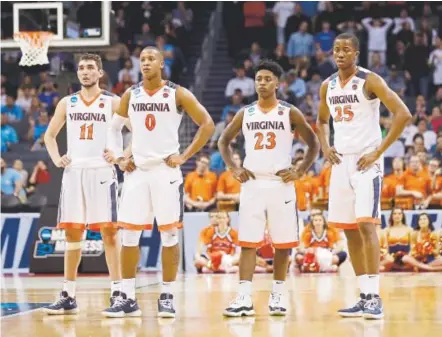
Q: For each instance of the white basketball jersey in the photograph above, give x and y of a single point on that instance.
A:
(355, 117)
(155, 120)
(87, 127)
(268, 139)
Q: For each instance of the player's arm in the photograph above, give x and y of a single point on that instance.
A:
(119, 119)
(200, 116)
(50, 138)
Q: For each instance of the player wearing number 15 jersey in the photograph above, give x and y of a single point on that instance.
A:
(88, 196)
(352, 97)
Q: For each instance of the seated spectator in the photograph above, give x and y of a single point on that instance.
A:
(234, 107)
(24, 99)
(12, 110)
(36, 128)
(309, 107)
(296, 84)
(256, 54)
(228, 187)
(249, 69)
(39, 144)
(436, 119)
(284, 92)
(246, 84)
(436, 100)
(280, 57)
(435, 62)
(130, 71)
(437, 149)
(324, 180)
(217, 164)
(313, 87)
(306, 191)
(35, 109)
(146, 38)
(220, 241)
(135, 58)
(123, 85)
(11, 182)
(220, 127)
(48, 94)
(390, 182)
(396, 82)
(200, 186)
(376, 65)
(300, 44)
(429, 135)
(18, 166)
(323, 65)
(40, 175)
(282, 10)
(397, 149)
(324, 39)
(168, 54)
(408, 133)
(8, 133)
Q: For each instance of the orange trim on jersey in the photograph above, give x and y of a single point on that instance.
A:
(74, 225)
(286, 245)
(368, 219)
(344, 83)
(95, 227)
(167, 227)
(341, 225)
(246, 244)
(88, 103)
(134, 227)
(154, 91)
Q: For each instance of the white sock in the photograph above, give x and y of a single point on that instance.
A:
(69, 286)
(362, 281)
(373, 284)
(245, 287)
(115, 286)
(167, 287)
(128, 287)
(278, 286)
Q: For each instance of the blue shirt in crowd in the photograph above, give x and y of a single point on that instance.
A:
(38, 130)
(298, 87)
(15, 113)
(230, 107)
(325, 40)
(9, 135)
(8, 181)
(217, 163)
(300, 44)
(47, 98)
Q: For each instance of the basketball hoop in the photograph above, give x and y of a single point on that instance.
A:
(34, 46)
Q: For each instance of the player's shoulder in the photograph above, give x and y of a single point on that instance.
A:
(72, 99)
(108, 94)
(250, 108)
(172, 85)
(285, 104)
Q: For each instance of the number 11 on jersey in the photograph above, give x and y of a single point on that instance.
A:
(90, 132)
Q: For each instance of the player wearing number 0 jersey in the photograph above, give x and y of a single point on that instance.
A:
(88, 196)
(352, 97)
(267, 192)
(153, 183)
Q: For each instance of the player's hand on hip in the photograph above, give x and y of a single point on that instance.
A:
(109, 156)
(175, 160)
(288, 175)
(126, 164)
(63, 162)
(367, 160)
(332, 155)
(242, 174)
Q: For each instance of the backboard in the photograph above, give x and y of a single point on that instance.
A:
(75, 24)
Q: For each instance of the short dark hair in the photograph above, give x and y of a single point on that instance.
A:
(348, 36)
(203, 155)
(271, 66)
(93, 57)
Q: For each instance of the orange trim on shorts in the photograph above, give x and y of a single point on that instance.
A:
(286, 245)
(74, 225)
(368, 219)
(341, 225)
(134, 227)
(95, 227)
(167, 227)
(246, 244)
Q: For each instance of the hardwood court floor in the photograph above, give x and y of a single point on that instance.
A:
(413, 305)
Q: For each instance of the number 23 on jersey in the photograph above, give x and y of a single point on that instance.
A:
(267, 141)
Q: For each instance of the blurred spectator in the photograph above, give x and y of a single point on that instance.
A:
(329, 15)
(397, 149)
(396, 81)
(430, 34)
(280, 57)
(437, 149)
(24, 99)
(300, 43)
(436, 119)
(377, 36)
(254, 14)
(429, 135)
(48, 94)
(294, 21)
(123, 85)
(427, 14)
(40, 175)
(285, 93)
(406, 35)
(128, 70)
(234, 107)
(435, 63)
(200, 186)
(8, 133)
(18, 166)
(217, 164)
(256, 54)
(396, 57)
(12, 110)
(436, 100)
(305, 189)
(324, 39)
(146, 37)
(135, 58)
(249, 69)
(416, 58)
(246, 84)
(296, 84)
(309, 106)
(309, 8)
(228, 187)
(418, 143)
(35, 109)
(323, 65)
(314, 85)
(391, 181)
(11, 182)
(36, 128)
(350, 27)
(401, 20)
(376, 65)
(220, 127)
(182, 16)
(112, 57)
(282, 10)
(39, 144)
(4, 96)
(168, 54)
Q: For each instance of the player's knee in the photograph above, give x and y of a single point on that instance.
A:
(367, 230)
(109, 236)
(74, 245)
(73, 235)
(131, 238)
(169, 238)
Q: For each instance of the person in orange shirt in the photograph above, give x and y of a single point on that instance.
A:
(324, 180)
(416, 184)
(220, 241)
(391, 181)
(200, 186)
(228, 187)
(436, 184)
(305, 188)
(423, 156)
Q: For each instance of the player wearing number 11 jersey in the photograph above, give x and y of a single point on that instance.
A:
(352, 97)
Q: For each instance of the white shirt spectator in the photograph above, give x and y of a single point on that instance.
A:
(435, 60)
(24, 103)
(284, 9)
(398, 22)
(397, 149)
(246, 84)
(132, 73)
(136, 69)
(408, 133)
(429, 139)
(377, 36)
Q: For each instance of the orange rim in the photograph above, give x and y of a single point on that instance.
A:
(35, 38)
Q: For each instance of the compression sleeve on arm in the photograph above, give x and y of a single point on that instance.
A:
(115, 137)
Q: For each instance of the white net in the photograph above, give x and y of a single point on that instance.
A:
(34, 46)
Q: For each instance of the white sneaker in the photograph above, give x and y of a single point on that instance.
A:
(277, 305)
(241, 306)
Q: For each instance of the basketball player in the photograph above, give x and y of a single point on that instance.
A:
(267, 193)
(352, 97)
(89, 186)
(155, 108)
